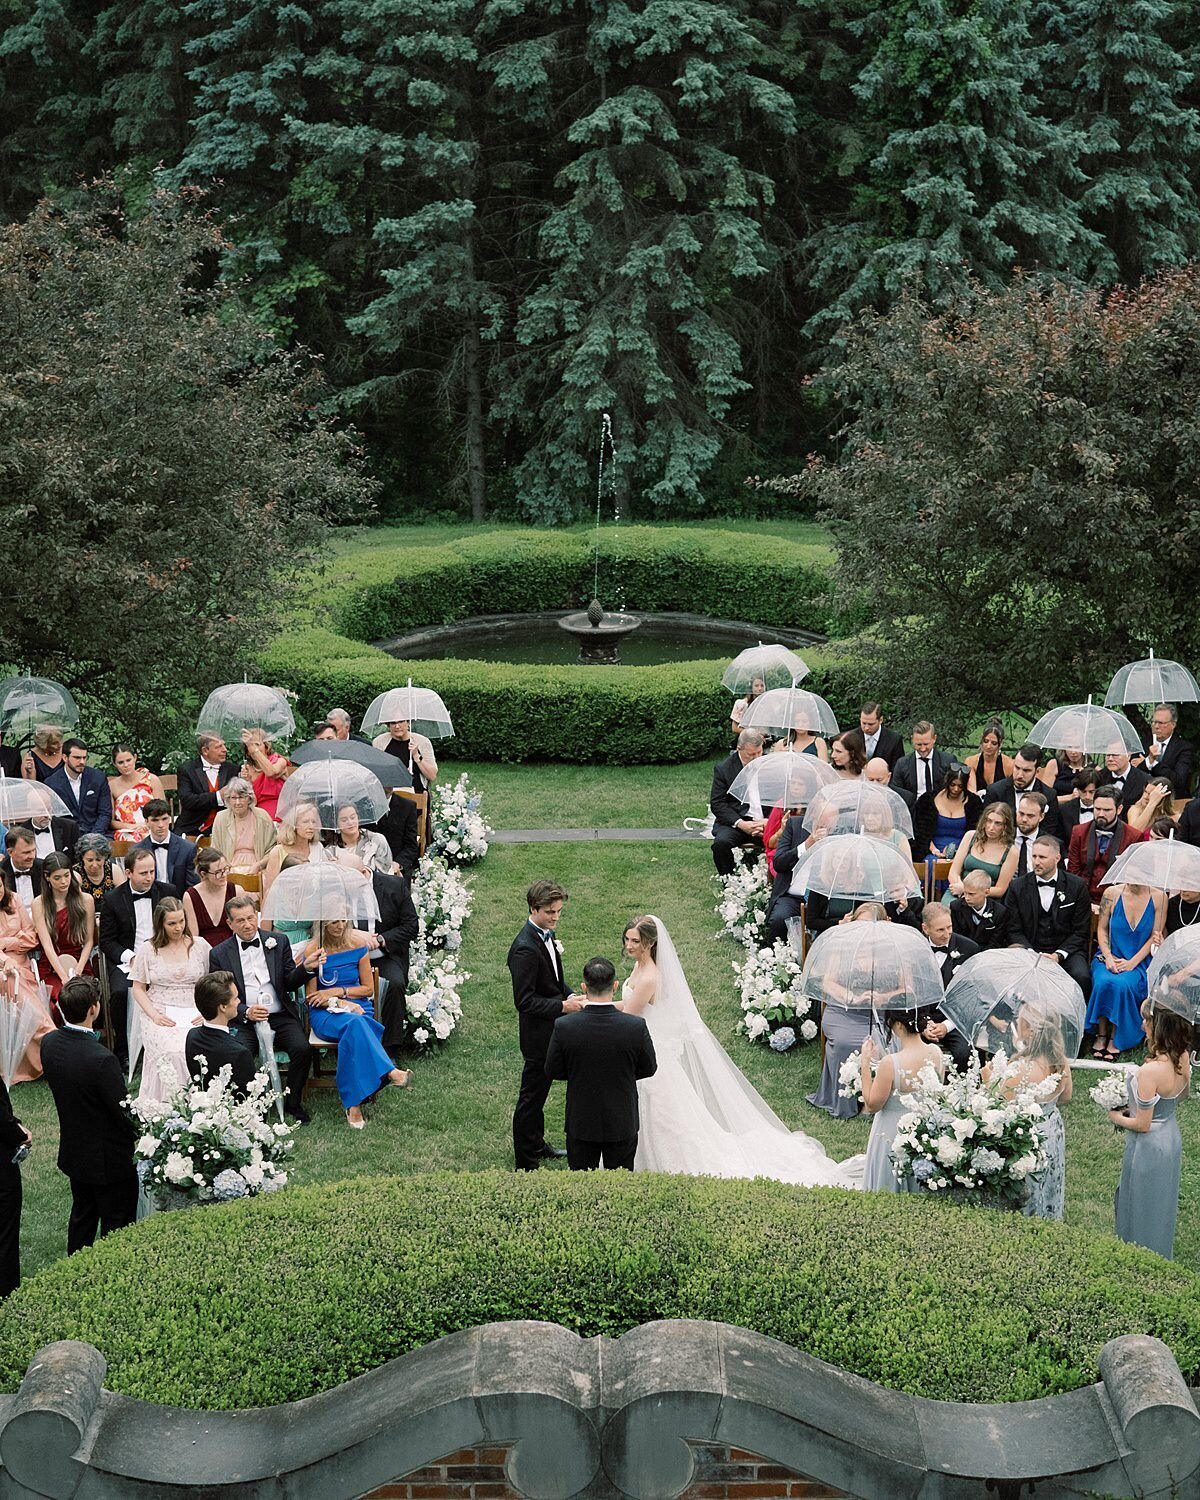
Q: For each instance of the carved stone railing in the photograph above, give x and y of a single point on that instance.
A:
(612, 1416)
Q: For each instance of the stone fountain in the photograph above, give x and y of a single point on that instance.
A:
(597, 630)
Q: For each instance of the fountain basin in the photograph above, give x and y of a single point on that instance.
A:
(598, 633)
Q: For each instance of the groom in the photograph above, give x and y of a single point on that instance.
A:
(602, 1052)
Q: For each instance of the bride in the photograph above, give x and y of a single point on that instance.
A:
(699, 1114)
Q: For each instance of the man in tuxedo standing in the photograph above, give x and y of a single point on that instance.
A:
(1024, 779)
(540, 995)
(880, 741)
(126, 921)
(211, 1047)
(399, 826)
(83, 789)
(1095, 845)
(601, 1052)
(733, 826)
(21, 869)
(1050, 911)
(201, 783)
(174, 856)
(96, 1131)
(1168, 754)
(925, 768)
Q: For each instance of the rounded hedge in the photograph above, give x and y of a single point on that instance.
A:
(277, 1298)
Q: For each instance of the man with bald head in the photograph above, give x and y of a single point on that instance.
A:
(878, 771)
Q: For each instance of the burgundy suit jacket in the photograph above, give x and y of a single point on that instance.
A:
(1077, 855)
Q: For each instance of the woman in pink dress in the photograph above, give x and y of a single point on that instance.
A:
(18, 980)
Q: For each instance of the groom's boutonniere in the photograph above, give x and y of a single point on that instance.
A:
(955, 953)
(558, 947)
(269, 944)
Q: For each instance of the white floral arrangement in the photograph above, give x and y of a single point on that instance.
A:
(460, 831)
(966, 1135)
(207, 1145)
(850, 1076)
(774, 1008)
(742, 908)
(443, 901)
(1111, 1092)
(433, 1000)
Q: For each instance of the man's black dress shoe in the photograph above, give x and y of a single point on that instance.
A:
(551, 1153)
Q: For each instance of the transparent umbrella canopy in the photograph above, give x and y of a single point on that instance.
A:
(774, 666)
(859, 807)
(1174, 975)
(28, 703)
(1154, 679)
(1088, 728)
(18, 1023)
(21, 801)
(420, 708)
(331, 785)
(856, 867)
(324, 892)
(782, 780)
(237, 706)
(783, 709)
(1166, 864)
(990, 991)
(872, 965)
(319, 752)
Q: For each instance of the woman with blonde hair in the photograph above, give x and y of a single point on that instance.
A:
(297, 842)
(46, 755)
(265, 770)
(1158, 796)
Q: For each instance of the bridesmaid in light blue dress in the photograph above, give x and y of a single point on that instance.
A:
(1042, 1052)
(895, 1076)
(1148, 1198)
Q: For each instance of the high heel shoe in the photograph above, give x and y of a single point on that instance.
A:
(408, 1079)
(355, 1124)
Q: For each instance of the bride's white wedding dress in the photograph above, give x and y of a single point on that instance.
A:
(700, 1115)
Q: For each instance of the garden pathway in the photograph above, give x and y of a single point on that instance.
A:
(594, 835)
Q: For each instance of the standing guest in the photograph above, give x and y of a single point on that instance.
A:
(212, 1046)
(733, 826)
(1168, 754)
(991, 847)
(847, 754)
(878, 771)
(265, 770)
(1070, 764)
(541, 995)
(163, 977)
(342, 727)
(1155, 802)
(989, 763)
(978, 915)
(83, 789)
(13, 1136)
(131, 788)
(21, 869)
(174, 856)
(882, 1094)
(1078, 808)
(941, 817)
(96, 1131)
(1040, 1053)
(925, 769)
(204, 903)
(879, 742)
(399, 828)
(362, 843)
(1024, 778)
(758, 687)
(242, 832)
(1049, 911)
(298, 842)
(18, 981)
(46, 756)
(412, 750)
(1148, 1198)
(1131, 919)
(95, 871)
(1129, 780)
(201, 786)
(10, 760)
(1095, 846)
(65, 922)
(128, 921)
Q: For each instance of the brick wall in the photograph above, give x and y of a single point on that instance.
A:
(721, 1474)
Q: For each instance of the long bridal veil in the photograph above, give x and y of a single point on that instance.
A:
(701, 1116)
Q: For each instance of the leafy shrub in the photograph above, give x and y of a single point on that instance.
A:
(294, 1293)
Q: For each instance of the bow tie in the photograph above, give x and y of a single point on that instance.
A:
(253, 943)
(141, 895)
(1050, 883)
(154, 844)
(933, 947)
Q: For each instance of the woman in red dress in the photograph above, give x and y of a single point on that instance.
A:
(204, 903)
(65, 922)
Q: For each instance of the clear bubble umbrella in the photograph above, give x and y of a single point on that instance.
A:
(317, 752)
(1088, 728)
(1174, 975)
(239, 706)
(18, 1022)
(28, 703)
(786, 779)
(991, 990)
(856, 867)
(781, 710)
(21, 801)
(420, 708)
(324, 892)
(774, 666)
(1166, 864)
(1154, 679)
(266, 1055)
(331, 785)
(859, 807)
(872, 965)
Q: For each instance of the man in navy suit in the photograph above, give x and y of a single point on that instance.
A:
(83, 789)
(174, 857)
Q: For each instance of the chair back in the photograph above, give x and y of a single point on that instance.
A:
(246, 881)
(935, 870)
(421, 799)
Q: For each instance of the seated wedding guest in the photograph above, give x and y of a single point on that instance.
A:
(389, 940)
(878, 771)
(733, 827)
(879, 742)
(96, 1131)
(46, 756)
(757, 688)
(340, 1010)
(83, 789)
(342, 726)
(10, 760)
(95, 870)
(267, 978)
(803, 741)
(882, 1094)
(989, 763)
(950, 950)
(242, 832)
(163, 979)
(788, 897)
(65, 922)
(1024, 779)
(201, 786)
(1040, 1051)
(1183, 911)
(365, 844)
(412, 750)
(174, 856)
(265, 770)
(1050, 912)
(991, 847)
(1129, 780)
(19, 981)
(21, 869)
(1096, 845)
(1131, 921)
(1066, 783)
(941, 817)
(773, 827)
(978, 915)
(1077, 808)
(1162, 828)
(298, 841)
(1168, 753)
(1147, 1201)
(53, 835)
(399, 828)
(323, 732)
(847, 754)
(13, 1136)
(127, 922)
(212, 1046)
(204, 903)
(1156, 801)
(131, 788)
(1032, 808)
(1188, 827)
(925, 768)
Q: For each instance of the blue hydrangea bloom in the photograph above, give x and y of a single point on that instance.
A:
(229, 1184)
(923, 1169)
(782, 1039)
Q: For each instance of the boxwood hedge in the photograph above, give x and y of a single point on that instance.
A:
(276, 1298)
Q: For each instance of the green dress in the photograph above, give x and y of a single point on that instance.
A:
(992, 871)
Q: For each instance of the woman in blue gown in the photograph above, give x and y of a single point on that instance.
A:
(1130, 915)
(340, 1010)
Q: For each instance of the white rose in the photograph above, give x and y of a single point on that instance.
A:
(993, 1122)
(270, 945)
(963, 1129)
(177, 1167)
(948, 1151)
(756, 1025)
(147, 1145)
(252, 1174)
(808, 1030)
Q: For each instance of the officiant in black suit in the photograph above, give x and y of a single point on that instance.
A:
(601, 1052)
(1050, 911)
(212, 1046)
(541, 995)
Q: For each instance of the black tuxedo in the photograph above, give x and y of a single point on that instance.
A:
(1066, 928)
(1004, 791)
(288, 1025)
(949, 961)
(727, 811)
(1176, 764)
(890, 747)
(539, 990)
(181, 861)
(1136, 782)
(904, 772)
(10, 762)
(11, 1136)
(989, 930)
(197, 800)
(399, 826)
(1068, 817)
(64, 832)
(397, 928)
(601, 1052)
(783, 904)
(1188, 828)
(118, 928)
(96, 1133)
(218, 1048)
(35, 873)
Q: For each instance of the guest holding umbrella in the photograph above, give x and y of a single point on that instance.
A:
(1040, 1052)
(756, 689)
(46, 757)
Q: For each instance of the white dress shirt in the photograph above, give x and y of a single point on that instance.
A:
(24, 885)
(44, 840)
(160, 861)
(259, 989)
(143, 926)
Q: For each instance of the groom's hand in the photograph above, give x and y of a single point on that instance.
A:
(572, 1003)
